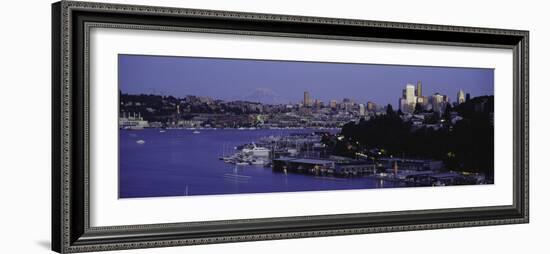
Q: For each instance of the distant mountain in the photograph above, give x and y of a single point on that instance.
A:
(263, 95)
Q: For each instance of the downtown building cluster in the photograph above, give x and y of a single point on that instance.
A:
(413, 100)
(199, 111)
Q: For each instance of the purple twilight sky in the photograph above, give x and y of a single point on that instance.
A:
(285, 81)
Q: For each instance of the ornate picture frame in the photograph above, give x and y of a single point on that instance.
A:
(71, 228)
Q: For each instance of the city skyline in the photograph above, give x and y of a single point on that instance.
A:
(227, 126)
(260, 80)
(309, 101)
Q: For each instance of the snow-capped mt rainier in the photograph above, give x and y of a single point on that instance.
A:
(263, 95)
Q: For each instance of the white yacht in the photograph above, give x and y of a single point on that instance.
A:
(256, 151)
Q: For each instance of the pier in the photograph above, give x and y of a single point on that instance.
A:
(323, 166)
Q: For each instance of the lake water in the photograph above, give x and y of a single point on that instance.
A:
(180, 162)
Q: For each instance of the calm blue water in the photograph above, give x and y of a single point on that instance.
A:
(178, 163)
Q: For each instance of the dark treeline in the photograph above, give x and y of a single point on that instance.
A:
(467, 145)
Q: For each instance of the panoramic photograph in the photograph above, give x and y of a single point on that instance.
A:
(211, 126)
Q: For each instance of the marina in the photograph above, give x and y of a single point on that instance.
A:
(178, 163)
(174, 162)
(265, 149)
(304, 153)
(298, 126)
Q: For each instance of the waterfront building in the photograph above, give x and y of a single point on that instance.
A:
(404, 164)
(346, 167)
(301, 165)
(156, 125)
(354, 167)
(132, 122)
(188, 123)
(460, 97)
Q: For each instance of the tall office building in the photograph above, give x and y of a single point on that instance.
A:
(307, 99)
(420, 99)
(318, 104)
(347, 104)
(333, 103)
(371, 106)
(418, 92)
(409, 99)
(437, 103)
(361, 109)
(403, 106)
(460, 97)
(409, 94)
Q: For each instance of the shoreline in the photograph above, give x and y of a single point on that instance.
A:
(240, 128)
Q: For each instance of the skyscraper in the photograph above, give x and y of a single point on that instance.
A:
(460, 98)
(403, 106)
(361, 109)
(409, 94)
(418, 92)
(333, 103)
(348, 104)
(420, 99)
(371, 106)
(307, 99)
(437, 103)
(318, 104)
(409, 99)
